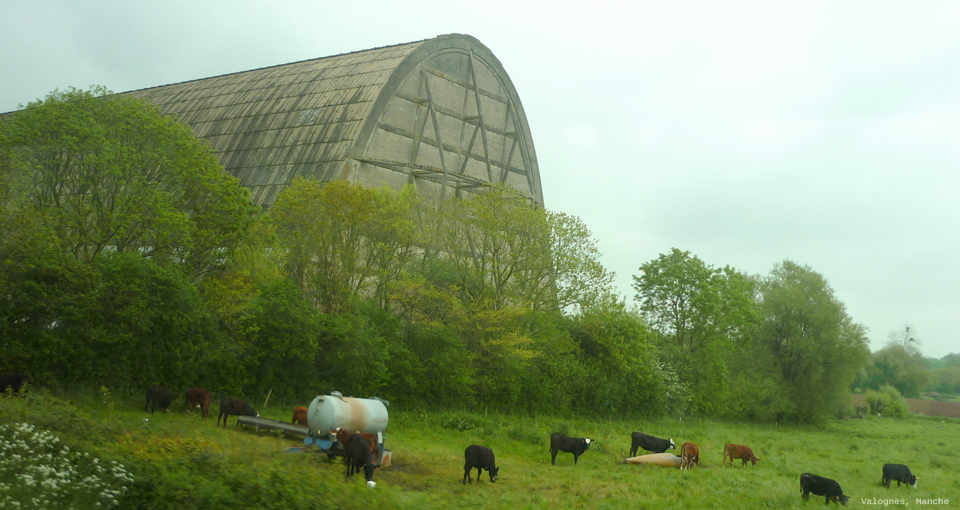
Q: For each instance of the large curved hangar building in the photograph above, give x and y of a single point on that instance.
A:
(441, 114)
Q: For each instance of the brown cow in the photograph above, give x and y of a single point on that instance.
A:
(738, 451)
(689, 454)
(299, 415)
(343, 437)
(198, 398)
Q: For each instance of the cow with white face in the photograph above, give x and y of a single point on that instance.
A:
(561, 443)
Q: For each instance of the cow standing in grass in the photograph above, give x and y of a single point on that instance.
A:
(235, 407)
(158, 396)
(358, 456)
(561, 443)
(820, 486)
(897, 472)
(198, 398)
(480, 457)
(689, 454)
(639, 440)
(738, 451)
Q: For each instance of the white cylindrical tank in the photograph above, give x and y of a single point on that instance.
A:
(328, 412)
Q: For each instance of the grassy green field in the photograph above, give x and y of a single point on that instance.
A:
(181, 462)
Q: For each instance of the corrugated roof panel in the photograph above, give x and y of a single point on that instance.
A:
(270, 124)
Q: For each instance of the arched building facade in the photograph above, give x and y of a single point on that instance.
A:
(440, 114)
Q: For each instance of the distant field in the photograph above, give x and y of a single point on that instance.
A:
(929, 407)
(428, 461)
(946, 397)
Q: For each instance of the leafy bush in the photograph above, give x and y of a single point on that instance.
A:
(887, 401)
(37, 472)
(461, 422)
(524, 434)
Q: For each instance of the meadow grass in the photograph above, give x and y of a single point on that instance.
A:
(178, 461)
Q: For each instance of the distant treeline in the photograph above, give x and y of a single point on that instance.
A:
(900, 364)
(129, 257)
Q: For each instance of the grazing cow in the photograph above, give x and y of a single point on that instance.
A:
(654, 444)
(821, 486)
(480, 457)
(897, 472)
(158, 396)
(562, 443)
(689, 454)
(343, 437)
(14, 382)
(357, 456)
(198, 398)
(299, 415)
(235, 407)
(738, 451)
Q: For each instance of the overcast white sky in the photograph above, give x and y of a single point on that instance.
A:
(827, 133)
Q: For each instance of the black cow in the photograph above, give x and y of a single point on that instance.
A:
(650, 443)
(235, 407)
(897, 472)
(13, 381)
(358, 455)
(821, 486)
(562, 443)
(158, 396)
(480, 457)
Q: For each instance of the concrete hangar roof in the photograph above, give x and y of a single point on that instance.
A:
(441, 114)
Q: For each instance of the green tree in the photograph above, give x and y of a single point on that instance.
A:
(899, 364)
(701, 313)
(580, 279)
(500, 250)
(50, 313)
(154, 324)
(344, 240)
(816, 347)
(356, 350)
(499, 246)
(623, 372)
(946, 379)
(114, 174)
(280, 351)
(946, 375)
(693, 303)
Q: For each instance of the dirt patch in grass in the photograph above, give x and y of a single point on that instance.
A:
(934, 407)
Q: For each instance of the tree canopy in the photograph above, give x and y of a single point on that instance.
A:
(769, 348)
(111, 173)
(129, 257)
